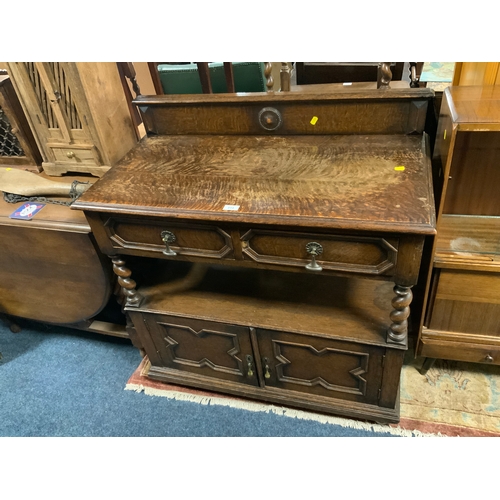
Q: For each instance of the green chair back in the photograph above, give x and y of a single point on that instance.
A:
(184, 78)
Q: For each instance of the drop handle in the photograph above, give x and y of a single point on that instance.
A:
(267, 373)
(168, 238)
(314, 249)
(250, 369)
(488, 358)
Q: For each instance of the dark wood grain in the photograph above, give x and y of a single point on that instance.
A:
(337, 112)
(335, 181)
(338, 189)
(241, 98)
(346, 309)
(316, 343)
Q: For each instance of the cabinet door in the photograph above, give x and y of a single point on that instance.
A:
(321, 366)
(204, 348)
(45, 91)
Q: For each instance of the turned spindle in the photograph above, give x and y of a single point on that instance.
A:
(398, 331)
(268, 68)
(128, 285)
(285, 77)
(384, 75)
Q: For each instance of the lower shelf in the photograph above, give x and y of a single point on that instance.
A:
(463, 318)
(308, 341)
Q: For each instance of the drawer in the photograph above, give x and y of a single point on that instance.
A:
(184, 239)
(436, 345)
(465, 302)
(357, 254)
(76, 156)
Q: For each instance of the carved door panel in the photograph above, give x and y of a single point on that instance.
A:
(321, 366)
(205, 348)
(54, 100)
(50, 93)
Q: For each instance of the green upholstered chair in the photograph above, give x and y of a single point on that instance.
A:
(185, 78)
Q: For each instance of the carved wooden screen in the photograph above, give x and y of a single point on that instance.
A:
(52, 76)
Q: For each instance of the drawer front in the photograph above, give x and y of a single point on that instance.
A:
(466, 302)
(336, 252)
(75, 156)
(205, 348)
(184, 240)
(321, 366)
(435, 344)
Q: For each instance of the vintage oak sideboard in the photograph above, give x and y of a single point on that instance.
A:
(267, 244)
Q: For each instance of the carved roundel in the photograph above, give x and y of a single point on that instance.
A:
(270, 118)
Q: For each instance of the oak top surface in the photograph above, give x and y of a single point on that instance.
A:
(307, 93)
(475, 104)
(349, 181)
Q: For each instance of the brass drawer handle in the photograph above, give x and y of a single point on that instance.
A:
(488, 358)
(250, 371)
(314, 249)
(168, 238)
(70, 154)
(267, 373)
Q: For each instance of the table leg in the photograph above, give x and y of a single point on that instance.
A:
(14, 328)
(427, 365)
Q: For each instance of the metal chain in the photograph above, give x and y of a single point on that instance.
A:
(16, 198)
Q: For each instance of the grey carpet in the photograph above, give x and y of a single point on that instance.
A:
(57, 381)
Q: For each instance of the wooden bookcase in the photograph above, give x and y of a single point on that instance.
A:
(78, 113)
(462, 320)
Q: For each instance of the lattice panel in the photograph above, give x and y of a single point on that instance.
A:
(41, 95)
(9, 144)
(66, 102)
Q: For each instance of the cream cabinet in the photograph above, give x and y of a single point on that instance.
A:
(78, 113)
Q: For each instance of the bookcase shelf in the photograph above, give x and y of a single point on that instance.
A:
(462, 320)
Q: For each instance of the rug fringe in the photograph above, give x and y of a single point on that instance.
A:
(281, 411)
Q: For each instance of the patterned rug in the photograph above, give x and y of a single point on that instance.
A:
(452, 399)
